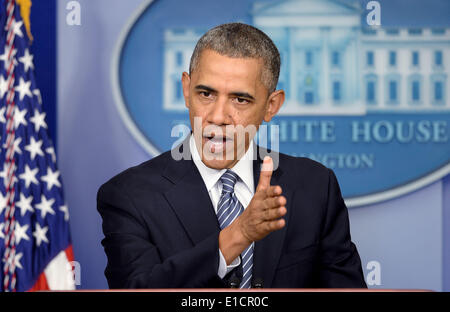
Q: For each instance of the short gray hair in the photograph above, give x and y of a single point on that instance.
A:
(239, 40)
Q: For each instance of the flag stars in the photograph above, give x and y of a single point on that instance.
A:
(27, 60)
(2, 114)
(37, 93)
(3, 202)
(16, 147)
(50, 150)
(45, 206)
(28, 166)
(16, 26)
(51, 178)
(2, 235)
(4, 172)
(29, 176)
(3, 87)
(20, 232)
(24, 204)
(65, 210)
(40, 234)
(9, 55)
(19, 117)
(17, 259)
(38, 120)
(24, 88)
(34, 148)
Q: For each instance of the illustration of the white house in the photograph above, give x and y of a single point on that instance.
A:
(333, 63)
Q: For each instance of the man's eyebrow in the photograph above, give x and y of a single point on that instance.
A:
(236, 94)
(206, 88)
(243, 95)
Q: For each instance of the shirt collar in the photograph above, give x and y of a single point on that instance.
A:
(243, 168)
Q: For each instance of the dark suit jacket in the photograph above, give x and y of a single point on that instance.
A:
(161, 230)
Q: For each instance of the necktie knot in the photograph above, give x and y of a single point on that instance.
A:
(228, 180)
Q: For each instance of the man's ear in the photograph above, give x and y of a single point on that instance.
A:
(186, 83)
(276, 99)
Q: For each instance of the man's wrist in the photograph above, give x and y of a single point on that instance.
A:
(232, 242)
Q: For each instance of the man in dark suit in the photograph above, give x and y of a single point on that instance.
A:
(224, 215)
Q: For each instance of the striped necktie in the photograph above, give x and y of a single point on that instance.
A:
(229, 208)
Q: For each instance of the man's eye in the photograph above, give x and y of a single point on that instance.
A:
(205, 93)
(241, 101)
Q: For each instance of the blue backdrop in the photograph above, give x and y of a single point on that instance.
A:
(408, 235)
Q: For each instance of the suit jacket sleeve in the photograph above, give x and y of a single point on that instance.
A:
(134, 261)
(340, 261)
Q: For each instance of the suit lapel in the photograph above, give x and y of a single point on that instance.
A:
(190, 200)
(268, 250)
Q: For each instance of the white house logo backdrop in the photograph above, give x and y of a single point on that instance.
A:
(369, 102)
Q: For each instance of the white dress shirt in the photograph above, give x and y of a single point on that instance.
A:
(244, 189)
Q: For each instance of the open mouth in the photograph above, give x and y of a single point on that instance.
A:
(216, 143)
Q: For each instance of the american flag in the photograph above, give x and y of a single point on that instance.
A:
(35, 244)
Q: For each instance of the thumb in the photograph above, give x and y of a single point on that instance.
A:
(266, 173)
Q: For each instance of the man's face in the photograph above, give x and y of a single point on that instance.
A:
(224, 95)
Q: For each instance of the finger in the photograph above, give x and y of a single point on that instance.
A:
(274, 191)
(275, 225)
(266, 174)
(273, 202)
(275, 213)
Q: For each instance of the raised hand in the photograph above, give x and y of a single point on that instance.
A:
(262, 216)
(266, 209)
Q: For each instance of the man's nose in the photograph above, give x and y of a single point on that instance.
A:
(219, 115)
